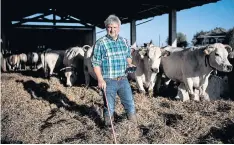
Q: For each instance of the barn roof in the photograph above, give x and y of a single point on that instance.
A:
(95, 12)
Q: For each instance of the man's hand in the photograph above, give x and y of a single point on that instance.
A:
(131, 68)
(102, 84)
(131, 65)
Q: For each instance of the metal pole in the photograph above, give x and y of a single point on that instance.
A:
(112, 126)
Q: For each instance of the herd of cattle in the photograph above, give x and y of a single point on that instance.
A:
(190, 69)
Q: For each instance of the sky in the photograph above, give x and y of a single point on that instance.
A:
(189, 22)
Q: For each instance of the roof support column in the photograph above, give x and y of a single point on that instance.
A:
(54, 16)
(172, 28)
(133, 31)
(94, 35)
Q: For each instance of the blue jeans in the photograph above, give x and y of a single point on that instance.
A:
(124, 91)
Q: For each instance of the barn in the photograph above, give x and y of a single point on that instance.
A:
(29, 25)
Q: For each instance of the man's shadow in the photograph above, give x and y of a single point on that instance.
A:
(40, 91)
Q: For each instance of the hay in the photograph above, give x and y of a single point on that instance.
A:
(35, 110)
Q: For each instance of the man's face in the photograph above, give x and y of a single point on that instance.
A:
(113, 30)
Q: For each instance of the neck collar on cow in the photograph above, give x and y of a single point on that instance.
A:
(207, 60)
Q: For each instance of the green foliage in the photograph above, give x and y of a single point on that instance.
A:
(194, 40)
(181, 40)
(213, 32)
(229, 39)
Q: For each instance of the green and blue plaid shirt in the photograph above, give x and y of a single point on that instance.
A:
(111, 55)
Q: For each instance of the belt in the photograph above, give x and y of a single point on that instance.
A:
(119, 78)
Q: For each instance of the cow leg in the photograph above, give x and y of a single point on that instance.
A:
(182, 93)
(24, 66)
(152, 83)
(158, 83)
(19, 66)
(9, 68)
(51, 69)
(139, 82)
(189, 86)
(68, 79)
(87, 78)
(202, 90)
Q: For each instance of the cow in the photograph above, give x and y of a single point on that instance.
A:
(88, 68)
(34, 60)
(192, 68)
(51, 59)
(13, 62)
(71, 63)
(231, 76)
(3, 63)
(147, 60)
(22, 61)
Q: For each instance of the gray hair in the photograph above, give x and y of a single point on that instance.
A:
(112, 19)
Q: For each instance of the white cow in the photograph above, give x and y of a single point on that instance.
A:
(51, 59)
(71, 61)
(192, 68)
(13, 62)
(147, 60)
(34, 59)
(22, 61)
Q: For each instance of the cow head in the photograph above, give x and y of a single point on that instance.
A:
(70, 75)
(218, 56)
(152, 56)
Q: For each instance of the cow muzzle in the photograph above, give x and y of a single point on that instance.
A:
(155, 70)
(68, 84)
(229, 68)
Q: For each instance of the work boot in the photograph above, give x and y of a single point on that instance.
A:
(132, 118)
(107, 120)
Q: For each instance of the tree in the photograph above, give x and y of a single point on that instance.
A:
(181, 40)
(194, 40)
(214, 32)
(229, 39)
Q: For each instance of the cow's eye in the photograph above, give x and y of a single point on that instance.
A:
(216, 54)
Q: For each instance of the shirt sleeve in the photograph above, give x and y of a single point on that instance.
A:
(96, 58)
(129, 48)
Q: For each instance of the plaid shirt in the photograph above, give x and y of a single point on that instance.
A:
(111, 56)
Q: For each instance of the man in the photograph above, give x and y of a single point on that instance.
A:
(111, 58)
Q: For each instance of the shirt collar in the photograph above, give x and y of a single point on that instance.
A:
(109, 37)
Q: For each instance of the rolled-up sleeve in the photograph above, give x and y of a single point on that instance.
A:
(96, 58)
(129, 49)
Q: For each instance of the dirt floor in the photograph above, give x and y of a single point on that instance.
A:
(36, 110)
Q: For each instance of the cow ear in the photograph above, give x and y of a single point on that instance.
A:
(151, 42)
(229, 48)
(231, 55)
(133, 46)
(208, 50)
(165, 53)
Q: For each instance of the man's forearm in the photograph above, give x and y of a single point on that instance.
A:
(98, 72)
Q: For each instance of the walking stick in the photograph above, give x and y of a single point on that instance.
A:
(112, 126)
